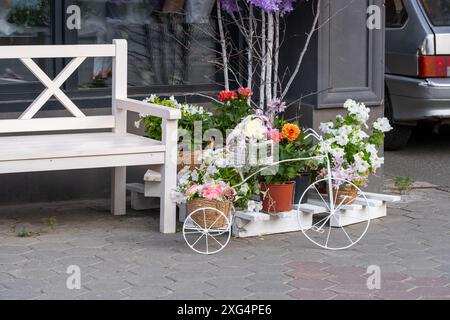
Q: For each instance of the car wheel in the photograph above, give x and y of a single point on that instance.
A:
(397, 138)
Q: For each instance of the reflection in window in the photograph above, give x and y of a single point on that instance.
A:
(169, 41)
(438, 11)
(396, 15)
(22, 22)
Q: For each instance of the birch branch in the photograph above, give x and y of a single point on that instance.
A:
(223, 45)
(250, 49)
(276, 56)
(263, 65)
(269, 56)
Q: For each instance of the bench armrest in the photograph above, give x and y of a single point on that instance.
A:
(146, 108)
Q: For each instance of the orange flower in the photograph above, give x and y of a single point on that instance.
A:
(290, 132)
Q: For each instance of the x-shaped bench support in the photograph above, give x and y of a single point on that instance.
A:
(53, 88)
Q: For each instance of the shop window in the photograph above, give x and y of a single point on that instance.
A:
(169, 42)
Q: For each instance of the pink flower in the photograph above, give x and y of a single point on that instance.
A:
(229, 192)
(275, 136)
(212, 192)
(193, 189)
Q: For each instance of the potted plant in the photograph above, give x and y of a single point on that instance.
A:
(278, 183)
(190, 116)
(353, 152)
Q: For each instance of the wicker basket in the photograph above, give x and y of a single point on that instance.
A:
(346, 194)
(208, 217)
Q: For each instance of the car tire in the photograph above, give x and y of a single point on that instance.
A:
(397, 138)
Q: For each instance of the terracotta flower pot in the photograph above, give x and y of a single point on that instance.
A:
(277, 197)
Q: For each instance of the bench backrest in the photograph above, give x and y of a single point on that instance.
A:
(79, 121)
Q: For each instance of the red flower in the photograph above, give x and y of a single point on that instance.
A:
(245, 92)
(227, 96)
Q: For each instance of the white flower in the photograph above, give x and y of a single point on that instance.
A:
(370, 148)
(244, 188)
(172, 98)
(377, 162)
(221, 163)
(255, 129)
(337, 152)
(326, 127)
(345, 130)
(212, 170)
(383, 125)
(137, 124)
(342, 140)
(360, 134)
(350, 104)
(359, 110)
(363, 166)
(152, 98)
(325, 147)
(194, 175)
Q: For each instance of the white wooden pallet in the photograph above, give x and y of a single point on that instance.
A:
(249, 224)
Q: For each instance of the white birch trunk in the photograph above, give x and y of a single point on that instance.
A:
(269, 56)
(250, 49)
(223, 44)
(276, 56)
(263, 62)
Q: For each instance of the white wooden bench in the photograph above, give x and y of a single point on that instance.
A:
(25, 148)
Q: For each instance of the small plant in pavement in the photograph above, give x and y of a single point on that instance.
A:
(51, 222)
(403, 184)
(24, 233)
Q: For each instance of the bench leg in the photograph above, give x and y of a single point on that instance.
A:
(168, 215)
(118, 191)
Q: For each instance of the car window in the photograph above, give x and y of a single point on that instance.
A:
(438, 11)
(396, 14)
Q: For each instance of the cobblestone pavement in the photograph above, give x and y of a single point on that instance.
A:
(127, 258)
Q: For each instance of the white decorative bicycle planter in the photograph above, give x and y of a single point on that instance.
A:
(325, 219)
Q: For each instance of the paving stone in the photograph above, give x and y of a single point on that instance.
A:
(304, 294)
(270, 287)
(11, 259)
(147, 292)
(311, 284)
(14, 249)
(432, 291)
(229, 292)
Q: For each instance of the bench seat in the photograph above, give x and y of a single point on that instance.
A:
(71, 151)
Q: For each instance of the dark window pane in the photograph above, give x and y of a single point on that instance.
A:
(438, 11)
(169, 42)
(396, 15)
(23, 23)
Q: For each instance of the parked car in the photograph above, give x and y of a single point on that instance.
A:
(417, 66)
